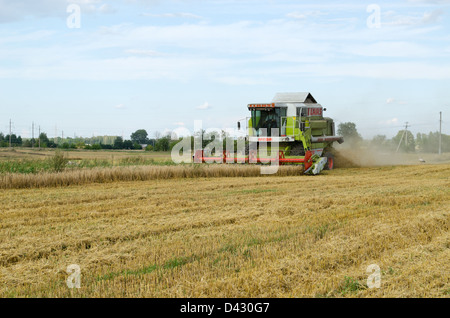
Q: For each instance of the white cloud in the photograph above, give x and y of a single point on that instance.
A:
(120, 106)
(143, 52)
(179, 123)
(106, 8)
(389, 122)
(205, 105)
(376, 70)
(243, 80)
(173, 15)
(394, 49)
(234, 54)
(304, 15)
(180, 132)
(11, 11)
(392, 100)
(429, 17)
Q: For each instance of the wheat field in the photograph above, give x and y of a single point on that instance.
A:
(275, 236)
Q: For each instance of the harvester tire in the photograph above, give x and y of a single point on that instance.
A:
(330, 161)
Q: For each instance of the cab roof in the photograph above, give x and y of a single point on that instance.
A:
(296, 97)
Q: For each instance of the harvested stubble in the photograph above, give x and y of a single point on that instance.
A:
(290, 236)
(137, 173)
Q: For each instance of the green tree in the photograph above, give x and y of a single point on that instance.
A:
(379, 141)
(162, 144)
(15, 140)
(127, 144)
(43, 138)
(204, 137)
(65, 145)
(350, 133)
(118, 143)
(139, 136)
(174, 142)
(430, 142)
(348, 130)
(404, 141)
(80, 144)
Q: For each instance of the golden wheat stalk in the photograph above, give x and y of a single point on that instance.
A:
(103, 175)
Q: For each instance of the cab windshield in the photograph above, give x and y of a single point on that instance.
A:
(268, 119)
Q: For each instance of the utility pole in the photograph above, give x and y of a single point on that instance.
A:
(32, 134)
(404, 132)
(440, 132)
(10, 133)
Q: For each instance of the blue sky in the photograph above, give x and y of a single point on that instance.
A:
(161, 65)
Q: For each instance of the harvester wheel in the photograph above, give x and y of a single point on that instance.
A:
(330, 161)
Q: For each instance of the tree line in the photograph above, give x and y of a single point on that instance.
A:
(404, 141)
(138, 140)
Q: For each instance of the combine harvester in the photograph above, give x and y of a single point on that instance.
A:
(295, 122)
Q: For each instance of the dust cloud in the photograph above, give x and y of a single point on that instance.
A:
(354, 156)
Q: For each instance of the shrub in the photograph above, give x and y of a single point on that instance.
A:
(162, 144)
(59, 161)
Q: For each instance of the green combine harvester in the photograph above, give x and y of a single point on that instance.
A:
(295, 122)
